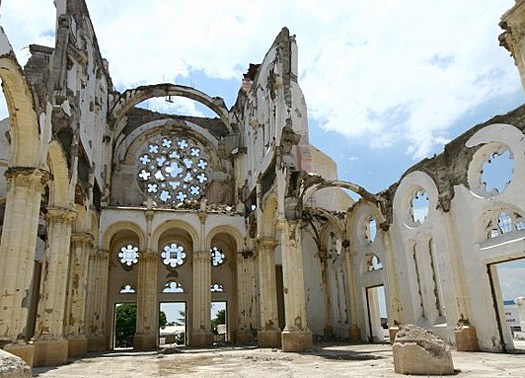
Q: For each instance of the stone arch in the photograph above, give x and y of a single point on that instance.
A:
(120, 228)
(25, 130)
(409, 185)
(123, 145)
(171, 226)
(231, 233)
(59, 184)
(133, 97)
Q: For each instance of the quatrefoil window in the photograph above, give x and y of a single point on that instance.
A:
(217, 256)
(173, 255)
(129, 255)
(173, 170)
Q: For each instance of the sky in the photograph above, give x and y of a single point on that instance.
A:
(386, 83)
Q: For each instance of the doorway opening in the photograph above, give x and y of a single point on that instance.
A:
(172, 323)
(377, 316)
(219, 321)
(125, 321)
(508, 293)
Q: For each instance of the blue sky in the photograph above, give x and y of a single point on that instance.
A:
(387, 83)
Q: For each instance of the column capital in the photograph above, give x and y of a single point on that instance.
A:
(82, 237)
(61, 213)
(28, 176)
(266, 243)
(202, 256)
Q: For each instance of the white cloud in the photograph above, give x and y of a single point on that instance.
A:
(396, 72)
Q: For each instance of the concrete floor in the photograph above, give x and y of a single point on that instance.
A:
(324, 360)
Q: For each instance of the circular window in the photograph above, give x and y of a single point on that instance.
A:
(217, 256)
(129, 255)
(173, 170)
(173, 255)
(491, 170)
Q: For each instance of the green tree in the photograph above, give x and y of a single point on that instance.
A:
(220, 318)
(126, 320)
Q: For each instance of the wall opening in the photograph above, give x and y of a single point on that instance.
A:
(508, 292)
(377, 331)
(174, 331)
(219, 321)
(125, 320)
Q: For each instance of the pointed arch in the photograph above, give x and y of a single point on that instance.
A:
(25, 130)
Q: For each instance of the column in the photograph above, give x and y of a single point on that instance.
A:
(50, 345)
(465, 333)
(147, 317)
(17, 254)
(201, 315)
(76, 300)
(296, 336)
(247, 312)
(269, 334)
(96, 302)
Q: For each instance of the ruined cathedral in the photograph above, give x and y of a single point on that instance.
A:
(103, 202)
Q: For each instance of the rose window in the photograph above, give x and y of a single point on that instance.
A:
(173, 170)
(173, 255)
(217, 256)
(129, 255)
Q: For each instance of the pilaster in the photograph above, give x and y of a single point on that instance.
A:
(51, 348)
(96, 303)
(76, 303)
(296, 336)
(201, 318)
(147, 327)
(17, 252)
(269, 334)
(247, 293)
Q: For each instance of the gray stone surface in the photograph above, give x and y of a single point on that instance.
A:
(419, 352)
(12, 366)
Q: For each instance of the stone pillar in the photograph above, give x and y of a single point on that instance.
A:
(147, 316)
(76, 301)
(247, 312)
(50, 345)
(465, 333)
(269, 334)
(96, 302)
(201, 316)
(520, 303)
(296, 336)
(17, 254)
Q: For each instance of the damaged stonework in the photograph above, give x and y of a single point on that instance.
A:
(419, 352)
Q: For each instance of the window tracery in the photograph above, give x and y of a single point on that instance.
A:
(129, 255)
(216, 287)
(173, 255)
(173, 287)
(127, 289)
(503, 223)
(373, 263)
(217, 256)
(173, 170)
